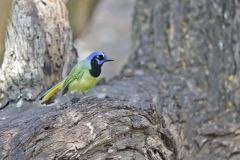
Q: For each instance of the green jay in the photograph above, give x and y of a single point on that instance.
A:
(82, 77)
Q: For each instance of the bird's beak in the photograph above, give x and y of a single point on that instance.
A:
(108, 59)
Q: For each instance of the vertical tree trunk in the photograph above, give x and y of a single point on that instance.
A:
(38, 44)
(198, 39)
(195, 44)
(72, 128)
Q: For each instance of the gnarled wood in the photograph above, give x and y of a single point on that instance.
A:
(38, 44)
(87, 129)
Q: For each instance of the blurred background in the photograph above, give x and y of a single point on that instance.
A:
(5, 7)
(97, 25)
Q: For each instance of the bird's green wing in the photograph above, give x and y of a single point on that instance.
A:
(76, 73)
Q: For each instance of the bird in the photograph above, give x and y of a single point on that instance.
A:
(82, 77)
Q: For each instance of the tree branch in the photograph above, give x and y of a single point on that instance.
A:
(89, 128)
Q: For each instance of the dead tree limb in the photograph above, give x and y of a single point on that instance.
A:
(89, 129)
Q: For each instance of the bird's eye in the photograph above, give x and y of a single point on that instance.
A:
(100, 57)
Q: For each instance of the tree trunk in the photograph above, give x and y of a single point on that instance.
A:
(176, 97)
(196, 39)
(38, 42)
(198, 42)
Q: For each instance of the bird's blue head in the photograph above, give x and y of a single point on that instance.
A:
(95, 61)
(98, 57)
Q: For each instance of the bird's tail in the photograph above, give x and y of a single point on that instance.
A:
(47, 95)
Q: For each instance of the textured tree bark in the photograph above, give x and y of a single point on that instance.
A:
(198, 42)
(198, 39)
(38, 44)
(120, 127)
(88, 129)
(177, 97)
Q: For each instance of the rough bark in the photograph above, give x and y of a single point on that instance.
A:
(90, 128)
(176, 99)
(198, 39)
(38, 44)
(121, 127)
(198, 42)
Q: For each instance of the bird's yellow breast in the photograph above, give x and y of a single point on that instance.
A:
(85, 83)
